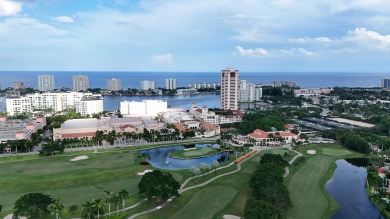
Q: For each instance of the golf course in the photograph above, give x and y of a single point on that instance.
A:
(90, 174)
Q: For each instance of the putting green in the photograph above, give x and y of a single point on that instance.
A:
(335, 152)
(207, 202)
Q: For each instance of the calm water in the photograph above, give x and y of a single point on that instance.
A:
(132, 79)
(347, 187)
(160, 158)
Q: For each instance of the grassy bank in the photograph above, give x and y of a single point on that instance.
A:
(307, 182)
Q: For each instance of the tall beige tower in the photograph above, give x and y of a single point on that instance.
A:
(229, 89)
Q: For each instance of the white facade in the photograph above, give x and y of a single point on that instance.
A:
(80, 82)
(90, 105)
(146, 85)
(46, 83)
(144, 108)
(249, 92)
(203, 85)
(170, 83)
(114, 84)
(51, 100)
(229, 89)
(18, 86)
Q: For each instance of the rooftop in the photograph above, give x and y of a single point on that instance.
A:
(80, 123)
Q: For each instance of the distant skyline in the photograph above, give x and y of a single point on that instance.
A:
(202, 35)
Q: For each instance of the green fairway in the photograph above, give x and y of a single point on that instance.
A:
(73, 182)
(306, 186)
(207, 202)
(195, 152)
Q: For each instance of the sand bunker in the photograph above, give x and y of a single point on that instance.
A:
(311, 152)
(188, 149)
(11, 215)
(144, 172)
(228, 216)
(82, 157)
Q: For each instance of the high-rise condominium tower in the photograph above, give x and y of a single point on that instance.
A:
(80, 82)
(114, 84)
(385, 83)
(46, 83)
(229, 89)
(170, 83)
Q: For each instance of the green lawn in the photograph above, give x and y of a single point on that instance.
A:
(195, 152)
(306, 185)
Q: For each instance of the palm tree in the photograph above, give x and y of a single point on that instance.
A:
(98, 206)
(116, 199)
(109, 199)
(57, 208)
(124, 194)
(87, 210)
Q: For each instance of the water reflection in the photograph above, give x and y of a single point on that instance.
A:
(160, 157)
(347, 187)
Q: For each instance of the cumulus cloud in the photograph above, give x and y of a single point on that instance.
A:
(164, 58)
(260, 52)
(64, 19)
(9, 8)
(368, 38)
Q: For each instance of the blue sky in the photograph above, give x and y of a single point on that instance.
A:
(201, 35)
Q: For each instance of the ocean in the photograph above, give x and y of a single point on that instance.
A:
(132, 80)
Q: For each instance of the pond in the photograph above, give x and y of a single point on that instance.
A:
(347, 187)
(160, 157)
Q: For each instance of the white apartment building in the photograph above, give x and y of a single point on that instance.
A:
(249, 92)
(80, 82)
(204, 115)
(146, 85)
(46, 83)
(57, 101)
(229, 89)
(203, 85)
(144, 108)
(170, 83)
(89, 105)
(114, 84)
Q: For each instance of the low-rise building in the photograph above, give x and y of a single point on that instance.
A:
(263, 138)
(16, 129)
(144, 108)
(204, 115)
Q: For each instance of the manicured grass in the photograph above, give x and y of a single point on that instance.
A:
(206, 202)
(306, 184)
(195, 152)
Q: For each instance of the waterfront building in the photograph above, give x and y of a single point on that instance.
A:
(114, 84)
(312, 91)
(89, 105)
(144, 108)
(55, 101)
(46, 83)
(203, 85)
(170, 84)
(146, 85)
(290, 84)
(249, 92)
(229, 89)
(80, 82)
(385, 83)
(18, 86)
(190, 91)
(17, 129)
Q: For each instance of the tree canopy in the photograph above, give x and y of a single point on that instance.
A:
(274, 158)
(158, 184)
(255, 209)
(33, 205)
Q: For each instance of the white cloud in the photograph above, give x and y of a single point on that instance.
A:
(368, 38)
(164, 58)
(64, 19)
(260, 52)
(9, 8)
(310, 40)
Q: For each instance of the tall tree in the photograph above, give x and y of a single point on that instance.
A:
(215, 165)
(33, 205)
(158, 184)
(124, 194)
(109, 199)
(98, 206)
(87, 210)
(259, 209)
(57, 208)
